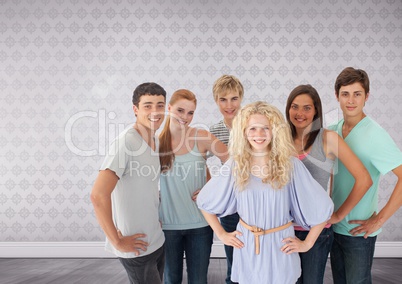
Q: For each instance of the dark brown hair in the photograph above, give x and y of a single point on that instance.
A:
(318, 118)
(149, 88)
(349, 76)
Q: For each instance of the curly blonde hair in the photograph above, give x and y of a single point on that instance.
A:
(281, 149)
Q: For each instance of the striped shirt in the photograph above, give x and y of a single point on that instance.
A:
(221, 132)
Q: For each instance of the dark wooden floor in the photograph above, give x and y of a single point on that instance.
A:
(109, 270)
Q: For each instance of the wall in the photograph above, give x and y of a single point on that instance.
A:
(68, 69)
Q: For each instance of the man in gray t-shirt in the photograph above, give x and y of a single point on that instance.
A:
(125, 195)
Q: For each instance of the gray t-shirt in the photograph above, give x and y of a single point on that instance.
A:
(319, 166)
(135, 199)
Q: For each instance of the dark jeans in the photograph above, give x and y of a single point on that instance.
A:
(229, 223)
(313, 262)
(146, 269)
(351, 259)
(197, 245)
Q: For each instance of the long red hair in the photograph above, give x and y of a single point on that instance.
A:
(166, 155)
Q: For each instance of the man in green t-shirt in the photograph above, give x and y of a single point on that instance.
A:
(355, 236)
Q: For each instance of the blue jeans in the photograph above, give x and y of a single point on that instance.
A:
(196, 244)
(229, 223)
(146, 269)
(313, 262)
(351, 259)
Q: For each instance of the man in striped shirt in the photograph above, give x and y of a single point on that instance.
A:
(228, 94)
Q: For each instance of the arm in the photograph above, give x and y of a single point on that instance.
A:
(207, 142)
(376, 221)
(295, 245)
(208, 174)
(228, 239)
(337, 147)
(102, 202)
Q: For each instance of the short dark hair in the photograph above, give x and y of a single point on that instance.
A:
(318, 117)
(349, 76)
(148, 88)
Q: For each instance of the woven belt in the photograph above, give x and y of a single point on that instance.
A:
(257, 232)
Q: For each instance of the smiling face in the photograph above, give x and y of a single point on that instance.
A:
(259, 133)
(229, 105)
(302, 111)
(150, 111)
(352, 99)
(181, 112)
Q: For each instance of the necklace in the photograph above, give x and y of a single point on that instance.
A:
(299, 147)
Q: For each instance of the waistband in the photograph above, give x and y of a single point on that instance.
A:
(257, 232)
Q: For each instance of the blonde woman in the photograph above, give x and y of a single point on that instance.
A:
(182, 155)
(270, 189)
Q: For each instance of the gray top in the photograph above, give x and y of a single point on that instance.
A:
(318, 164)
(135, 199)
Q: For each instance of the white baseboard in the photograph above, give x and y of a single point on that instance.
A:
(96, 250)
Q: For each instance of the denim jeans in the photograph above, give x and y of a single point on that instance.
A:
(146, 269)
(313, 262)
(229, 223)
(196, 244)
(351, 259)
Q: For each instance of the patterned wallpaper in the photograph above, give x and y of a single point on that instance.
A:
(68, 69)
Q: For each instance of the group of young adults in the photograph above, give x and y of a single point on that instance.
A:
(286, 195)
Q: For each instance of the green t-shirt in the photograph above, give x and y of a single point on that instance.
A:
(379, 154)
